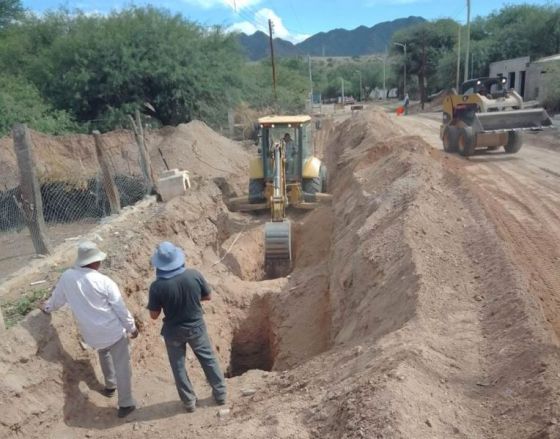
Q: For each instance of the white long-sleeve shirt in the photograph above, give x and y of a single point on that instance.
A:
(97, 305)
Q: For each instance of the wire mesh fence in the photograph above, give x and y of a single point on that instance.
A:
(73, 190)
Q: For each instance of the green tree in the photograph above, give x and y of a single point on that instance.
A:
(9, 11)
(426, 44)
(520, 30)
(21, 102)
(100, 68)
(292, 85)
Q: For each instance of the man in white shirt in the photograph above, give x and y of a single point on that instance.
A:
(102, 317)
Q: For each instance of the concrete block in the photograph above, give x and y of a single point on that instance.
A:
(169, 173)
(173, 185)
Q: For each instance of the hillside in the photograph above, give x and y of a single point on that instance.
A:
(338, 42)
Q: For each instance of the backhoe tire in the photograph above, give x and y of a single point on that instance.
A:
(467, 141)
(515, 141)
(256, 190)
(312, 185)
(323, 175)
(450, 139)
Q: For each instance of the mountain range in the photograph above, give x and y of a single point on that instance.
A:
(338, 42)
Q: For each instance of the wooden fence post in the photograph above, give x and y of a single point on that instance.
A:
(2, 324)
(29, 200)
(145, 162)
(108, 178)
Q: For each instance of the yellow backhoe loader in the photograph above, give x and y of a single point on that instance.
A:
(487, 115)
(286, 173)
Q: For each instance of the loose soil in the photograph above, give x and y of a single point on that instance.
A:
(421, 304)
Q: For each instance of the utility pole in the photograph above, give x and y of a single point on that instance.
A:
(270, 26)
(342, 80)
(310, 81)
(384, 75)
(361, 88)
(468, 40)
(458, 76)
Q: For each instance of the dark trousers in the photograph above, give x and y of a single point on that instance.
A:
(197, 338)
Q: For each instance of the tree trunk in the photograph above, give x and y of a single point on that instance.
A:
(108, 178)
(29, 200)
(145, 162)
(422, 88)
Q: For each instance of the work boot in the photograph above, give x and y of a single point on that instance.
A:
(109, 393)
(125, 411)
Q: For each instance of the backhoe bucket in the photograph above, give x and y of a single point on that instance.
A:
(512, 120)
(278, 248)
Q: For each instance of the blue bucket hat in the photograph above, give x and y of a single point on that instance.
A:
(168, 257)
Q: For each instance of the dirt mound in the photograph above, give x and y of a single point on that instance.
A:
(405, 316)
(193, 146)
(69, 157)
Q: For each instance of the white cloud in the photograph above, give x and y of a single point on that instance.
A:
(233, 4)
(260, 22)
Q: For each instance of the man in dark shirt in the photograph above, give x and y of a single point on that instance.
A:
(179, 291)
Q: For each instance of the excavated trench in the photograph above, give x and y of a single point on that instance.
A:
(266, 336)
(253, 341)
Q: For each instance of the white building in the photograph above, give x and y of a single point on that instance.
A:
(528, 78)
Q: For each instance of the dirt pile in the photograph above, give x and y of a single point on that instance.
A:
(69, 157)
(405, 315)
(193, 146)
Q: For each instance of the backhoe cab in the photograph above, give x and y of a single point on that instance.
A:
(305, 175)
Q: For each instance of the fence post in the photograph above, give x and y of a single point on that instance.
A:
(145, 161)
(108, 178)
(2, 324)
(30, 201)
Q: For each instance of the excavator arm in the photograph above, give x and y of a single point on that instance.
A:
(278, 231)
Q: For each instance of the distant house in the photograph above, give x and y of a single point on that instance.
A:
(528, 78)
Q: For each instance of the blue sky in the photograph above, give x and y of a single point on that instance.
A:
(293, 19)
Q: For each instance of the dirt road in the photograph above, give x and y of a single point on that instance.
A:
(521, 193)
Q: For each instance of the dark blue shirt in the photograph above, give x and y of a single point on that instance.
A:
(179, 297)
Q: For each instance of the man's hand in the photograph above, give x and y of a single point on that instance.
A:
(134, 334)
(43, 307)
